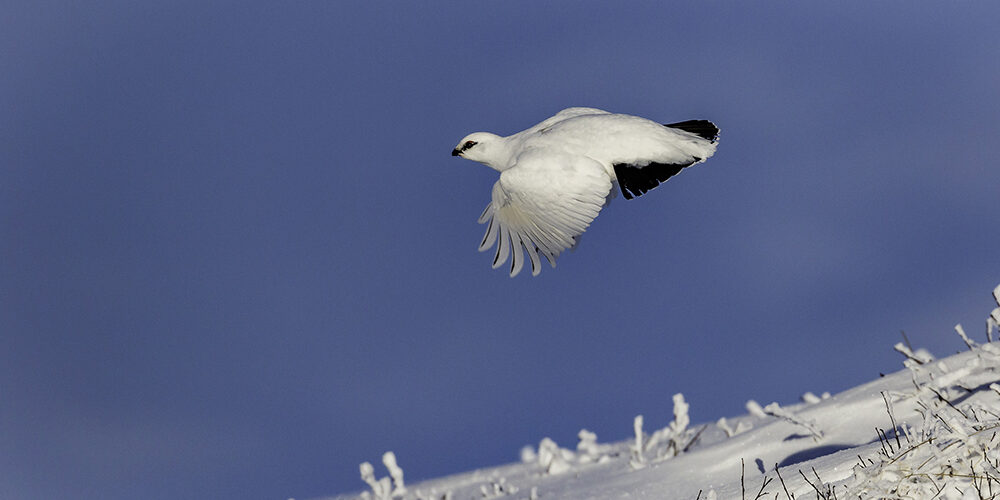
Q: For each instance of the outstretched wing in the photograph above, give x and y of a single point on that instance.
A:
(542, 204)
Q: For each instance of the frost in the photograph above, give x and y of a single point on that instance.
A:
(952, 456)
(588, 443)
(952, 453)
(638, 459)
(498, 488)
(389, 459)
(667, 442)
(588, 450)
(776, 410)
(810, 398)
(993, 321)
(681, 419)
(755, 409)
(553, 459)
(919, 357)
(965, 338)
(741, 427)
(383, 489)
(948, 379)
(528, 455)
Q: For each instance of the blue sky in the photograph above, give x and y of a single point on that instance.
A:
(237, 260)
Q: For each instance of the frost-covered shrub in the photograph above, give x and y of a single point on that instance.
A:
(588, 451)
(755, 409)
(954, 452)
(775, 410)
(528, 454)
(553, 459)
(741, 427)
(638, 457)
(395, 472)
(384, 488)
(952, 455)
(381, 488)
(993, 321)
(667, 442)
(498, 488)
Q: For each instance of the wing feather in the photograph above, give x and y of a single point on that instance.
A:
(503, 247)
(517, 258)
(543, 204)
(491, 233)
(536, 264)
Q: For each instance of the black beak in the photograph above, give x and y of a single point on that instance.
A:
(455, 152)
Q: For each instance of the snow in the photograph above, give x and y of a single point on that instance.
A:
(929, 430)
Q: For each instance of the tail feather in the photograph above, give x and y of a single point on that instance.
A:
(636, 180)
(702, 128)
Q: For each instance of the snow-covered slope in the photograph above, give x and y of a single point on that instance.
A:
(927, 431)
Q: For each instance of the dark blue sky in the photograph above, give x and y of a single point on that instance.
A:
(237, 260)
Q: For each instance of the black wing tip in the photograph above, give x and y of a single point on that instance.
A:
(635, 180)
(702, 128)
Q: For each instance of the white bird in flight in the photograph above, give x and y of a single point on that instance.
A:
(556, 176)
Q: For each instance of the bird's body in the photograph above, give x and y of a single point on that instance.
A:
(557, 175)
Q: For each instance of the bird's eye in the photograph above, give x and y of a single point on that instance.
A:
(468, 144)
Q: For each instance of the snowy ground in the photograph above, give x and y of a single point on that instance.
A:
(927, 431)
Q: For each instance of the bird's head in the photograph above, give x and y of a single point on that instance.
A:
(480, 146)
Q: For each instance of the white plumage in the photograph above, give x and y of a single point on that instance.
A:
(557, 175)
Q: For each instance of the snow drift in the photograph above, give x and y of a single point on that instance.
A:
(927, 431)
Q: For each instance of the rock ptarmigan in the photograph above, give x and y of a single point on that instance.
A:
(556, 176)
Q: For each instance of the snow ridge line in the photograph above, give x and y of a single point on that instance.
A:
(944, 441)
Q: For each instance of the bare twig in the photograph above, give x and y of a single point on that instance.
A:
(775, 410)
(886, 437)
(827, 494)
(911, 448)
(818, 493)
(776, 471)
(882, 442)
(743, 473)
(895, 428)
(906, 340)
(829, 490)
(767, 480)
(945, 400)
(694, 439)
